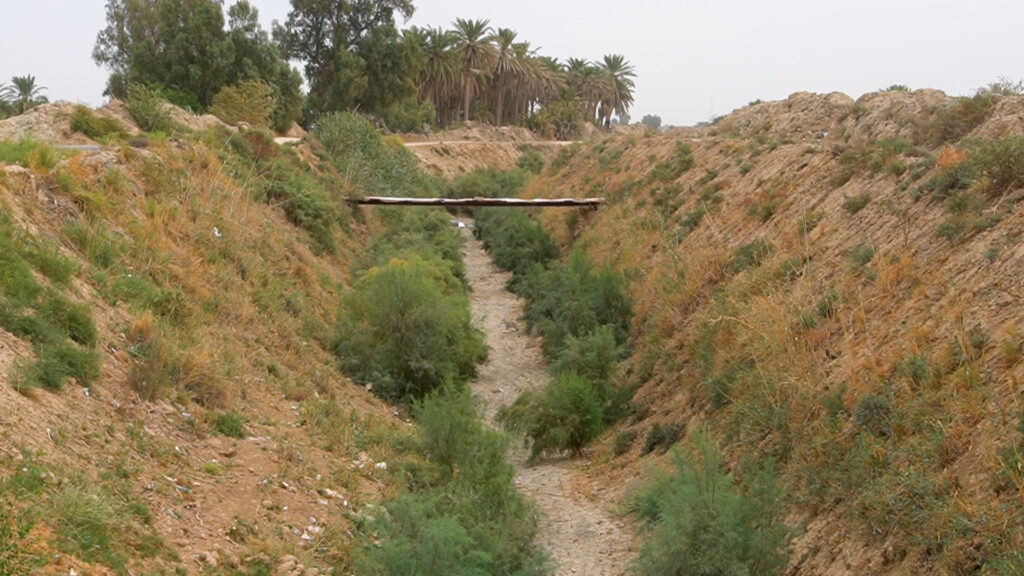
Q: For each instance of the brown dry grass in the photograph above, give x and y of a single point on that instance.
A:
(929, 325)
(230, 310)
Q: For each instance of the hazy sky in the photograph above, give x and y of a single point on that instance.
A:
(693, 59)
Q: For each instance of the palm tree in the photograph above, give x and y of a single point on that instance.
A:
(619, 76)
(589, 85)
(477, 56)
(439, 79)
(23, 93)
(4, 108)
(509, 67)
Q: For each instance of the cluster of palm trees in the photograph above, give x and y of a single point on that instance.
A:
(478, 73)
(21, 95)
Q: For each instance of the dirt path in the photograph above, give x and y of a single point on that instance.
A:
(582, 536)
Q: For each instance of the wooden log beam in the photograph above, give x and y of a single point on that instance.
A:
(531, 203)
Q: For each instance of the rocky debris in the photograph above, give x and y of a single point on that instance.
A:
(118, 110)
(803, 115)
(893, 115)
(193, 121)
(290, 566)
(1007, 118)
(47, 122)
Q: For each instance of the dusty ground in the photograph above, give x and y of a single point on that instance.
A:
(582, 536)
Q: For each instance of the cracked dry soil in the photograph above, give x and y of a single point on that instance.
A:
(582, 536)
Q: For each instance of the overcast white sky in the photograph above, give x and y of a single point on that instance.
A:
(694, 59)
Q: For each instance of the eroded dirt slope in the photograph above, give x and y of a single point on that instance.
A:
(832, 284)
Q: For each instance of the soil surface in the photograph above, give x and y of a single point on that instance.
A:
(582, 536)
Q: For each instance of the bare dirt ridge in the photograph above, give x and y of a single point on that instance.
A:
(582, 536)
(475, 146)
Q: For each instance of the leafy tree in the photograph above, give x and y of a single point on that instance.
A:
(256, 57)
(23, 94)
(390, 64)
(179, 45)
(651, 121)
(328, 37)
(181, 49)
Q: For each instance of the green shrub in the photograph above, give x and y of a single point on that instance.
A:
(230, 424)
(873, 413)
(964, 116)
(405, 327)
(703, 523)
(828, 304)
(673, 168)
(28, 153)
(516, 241)
(859, 256)
(662, 436)
(426, 232)
(854, 204)
(531, 160)
(470, 519)
(147, 109)
(408, 115)
(919, 370)
(249, 101)
(416, 538)
(750, 255)
(304, 201)
(447, 416)
(573, 299)
(85, 121)
(488, 183)
(593, 356)
(564, 416)
(624, 441)
(565, 155)
(375, 166)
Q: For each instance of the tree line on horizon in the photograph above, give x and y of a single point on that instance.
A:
(355, 58)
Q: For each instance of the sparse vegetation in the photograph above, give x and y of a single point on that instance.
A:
(856, 203)
(673, 168)
(147, 109)
(85, 121)
(28, 153)
(62, 333)
(703, 521)
(250, 101)
(531, 160)
(230, 424)
(468, 517)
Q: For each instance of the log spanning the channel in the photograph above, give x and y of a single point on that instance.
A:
(531, 203)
